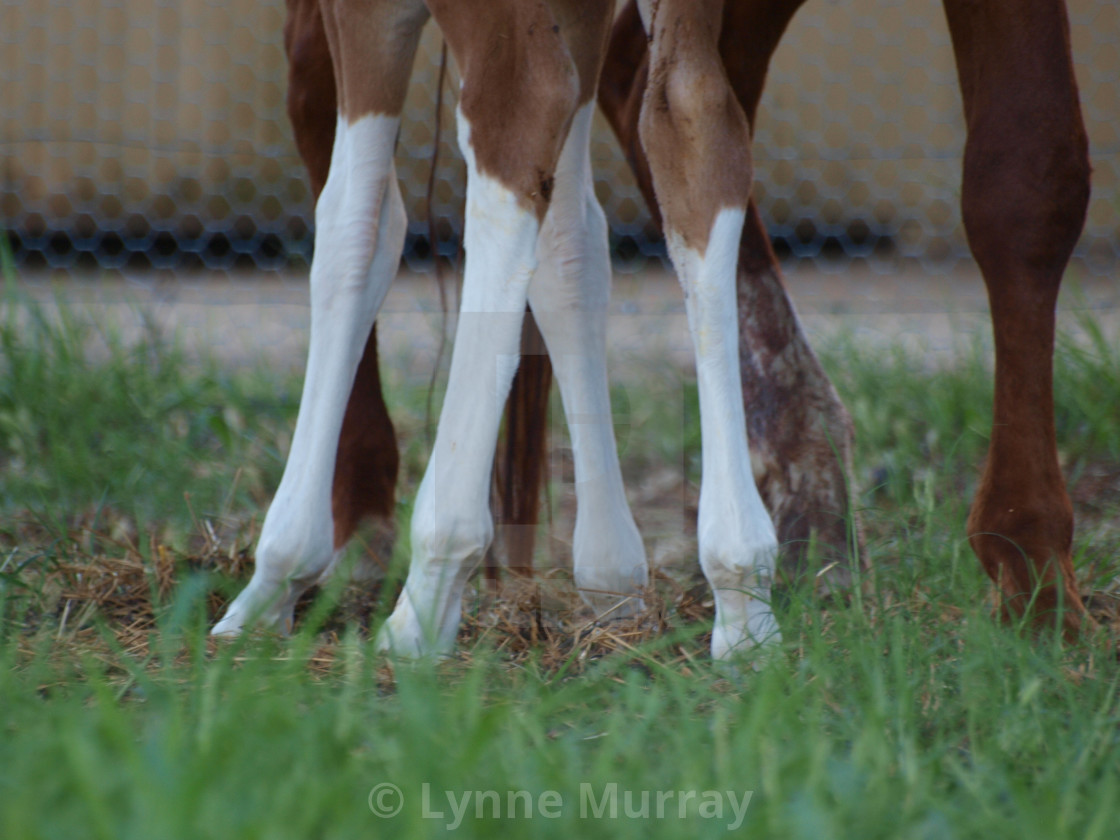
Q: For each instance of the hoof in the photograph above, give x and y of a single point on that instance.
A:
(739, 636)
(613, 592)
(404, 635)
(270, 608)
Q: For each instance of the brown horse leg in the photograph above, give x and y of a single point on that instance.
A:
(1026, 188)
(799, 431)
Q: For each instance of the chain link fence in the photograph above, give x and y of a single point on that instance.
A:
(152, 134)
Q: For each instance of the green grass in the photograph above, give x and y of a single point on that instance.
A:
(135, 432)
(916, 716)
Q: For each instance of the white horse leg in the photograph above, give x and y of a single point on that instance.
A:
(360, 227)
(737, 541)
(451, 523)
(568, 295)
(698, 142)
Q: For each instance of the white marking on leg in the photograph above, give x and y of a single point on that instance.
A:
(360, 227)
(645, 12)
(736, 535)
(569, 295)
(451, 523)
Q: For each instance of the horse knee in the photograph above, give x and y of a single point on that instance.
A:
(693, 129)
(1025, 194)
(517, 136)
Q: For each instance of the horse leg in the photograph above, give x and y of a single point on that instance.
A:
(800, 433)
(360, 228)
(698, 142)
(803, 454)
(366, 463)
(1025, 192)
(568, 296)
(518, 97)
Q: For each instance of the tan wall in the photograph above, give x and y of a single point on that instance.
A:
(142, 108)
(169, 109)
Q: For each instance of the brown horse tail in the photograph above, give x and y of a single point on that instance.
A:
(521, 463)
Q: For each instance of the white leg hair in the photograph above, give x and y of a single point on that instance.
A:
(360, 227)
(568, 295)
(451, 524)
(736, 536)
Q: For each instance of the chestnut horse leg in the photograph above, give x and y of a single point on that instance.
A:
(698, 141)
(518, 98)
(1026, 188)
(365, 472)
(799, 431)
(569, 294)
(360, 228)
(367, 461)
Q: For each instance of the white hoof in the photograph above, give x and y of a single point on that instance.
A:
(269, 607)
(404, 635)
(613, 594)
(744, 630)
(609, 562)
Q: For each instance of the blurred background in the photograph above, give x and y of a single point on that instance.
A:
(151, 135)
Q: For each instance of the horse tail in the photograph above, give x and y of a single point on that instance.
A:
(521, 462)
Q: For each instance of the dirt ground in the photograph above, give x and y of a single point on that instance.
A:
(248, 318)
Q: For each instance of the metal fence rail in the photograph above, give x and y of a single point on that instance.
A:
(142, 134)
